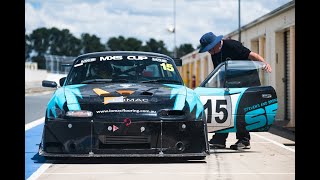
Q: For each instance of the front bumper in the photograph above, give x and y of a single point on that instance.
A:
(67, 138)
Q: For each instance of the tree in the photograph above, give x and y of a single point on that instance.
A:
(91, 43)
(53, 41)
(115, 44)
(27, 47)
(123, 44)
(40, 41)
(184, 49)
(133, 44)
(40, 44)
(63, 43)
(155, 46)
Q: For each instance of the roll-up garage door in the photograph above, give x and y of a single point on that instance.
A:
(287, 110)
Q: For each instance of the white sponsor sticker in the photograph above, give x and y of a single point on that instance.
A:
(159, 59)
(85, 61)
(108, 58)
(137, 57)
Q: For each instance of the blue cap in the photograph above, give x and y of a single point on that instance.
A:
(208, 41)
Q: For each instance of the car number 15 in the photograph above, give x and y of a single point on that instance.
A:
(218, 110)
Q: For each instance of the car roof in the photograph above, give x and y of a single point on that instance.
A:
(124, 53)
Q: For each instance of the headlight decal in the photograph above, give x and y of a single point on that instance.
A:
(179, 102)
(176, 89)
(199, 108)
(184, 94)
(190, 99)
(58, 100)
(71, 97)
(179, 92)
(61, 96)
(193, 100)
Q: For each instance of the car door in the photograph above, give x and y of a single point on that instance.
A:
(234, 98)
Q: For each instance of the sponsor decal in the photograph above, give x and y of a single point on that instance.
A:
(263, 114)
(114, 128)
(137, 100)
(159, 60)
(85, 61)
(127, 121)
(137, 57)
(107, 100)
(125, 111)
(259, 105)
(122, 99)
(109, 58)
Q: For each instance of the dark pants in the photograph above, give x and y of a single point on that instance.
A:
(221, 137)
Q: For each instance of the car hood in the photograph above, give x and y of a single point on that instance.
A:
(147, 98)
(122, 93)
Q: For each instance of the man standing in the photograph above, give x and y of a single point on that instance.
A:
(222, 50)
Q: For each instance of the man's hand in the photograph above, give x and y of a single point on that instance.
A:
(256, 57)
(267, 67)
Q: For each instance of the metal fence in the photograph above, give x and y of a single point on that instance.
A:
(55, 64)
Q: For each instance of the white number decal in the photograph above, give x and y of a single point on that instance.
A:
(218, 110)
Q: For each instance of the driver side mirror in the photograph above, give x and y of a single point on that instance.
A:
(46, 83)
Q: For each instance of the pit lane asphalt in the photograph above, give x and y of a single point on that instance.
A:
(268, 158)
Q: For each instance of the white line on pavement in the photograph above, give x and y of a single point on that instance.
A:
(274, 142)
(40, 171)
(184, 173)
(34, 123)
(44, 166)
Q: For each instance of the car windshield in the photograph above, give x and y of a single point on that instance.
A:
(124, 69)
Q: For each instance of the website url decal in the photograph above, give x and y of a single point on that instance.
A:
(125, 111)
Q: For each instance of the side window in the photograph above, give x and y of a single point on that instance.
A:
(241, 79)
(246, 75)
(217, 80)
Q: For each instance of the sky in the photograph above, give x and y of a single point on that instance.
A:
(145, 19)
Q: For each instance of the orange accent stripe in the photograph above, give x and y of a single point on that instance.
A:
(101, 92)
(125, 92)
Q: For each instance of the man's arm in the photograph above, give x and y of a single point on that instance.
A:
(256, 57)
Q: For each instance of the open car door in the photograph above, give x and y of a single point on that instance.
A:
(234, 97)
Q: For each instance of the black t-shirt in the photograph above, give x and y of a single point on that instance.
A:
(231, 50)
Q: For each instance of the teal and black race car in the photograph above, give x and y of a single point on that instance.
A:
(135, 104)
(124, 104)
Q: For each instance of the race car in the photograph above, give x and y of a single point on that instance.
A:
(135, 104)
(124, 104)
(236, 100)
